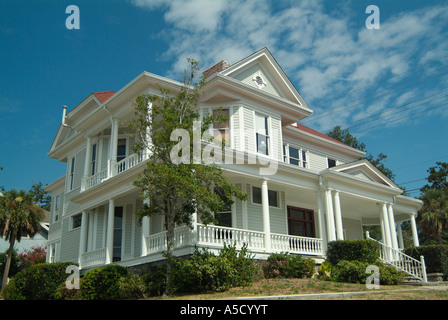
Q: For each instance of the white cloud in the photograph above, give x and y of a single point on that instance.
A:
(325, 54)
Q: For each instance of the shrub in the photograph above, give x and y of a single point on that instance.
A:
(35, 255)
(360, 250)
(355, 272)
(205, 272)
(436, 257)
(290, 266)
(103, 283)
(14, 266)
(37, 282)
(132, 286)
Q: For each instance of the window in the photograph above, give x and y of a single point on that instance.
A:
(57, 204)
(224, 217)
(72, 174)
(93, 161)
(272, 197)
(222, 126)
(76, 221)
(121, 149)
(262, 134)
(301, 222)
(331, 163)
(295, 156)
(118, 235)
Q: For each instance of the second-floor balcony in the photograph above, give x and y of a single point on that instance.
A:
(113, 169)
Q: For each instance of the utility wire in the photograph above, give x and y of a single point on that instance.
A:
(384, 80)
(390, 114)
(338, 108)
(405, 117)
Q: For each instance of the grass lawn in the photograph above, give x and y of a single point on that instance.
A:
(280, 287)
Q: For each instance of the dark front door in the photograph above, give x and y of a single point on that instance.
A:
(301, 222)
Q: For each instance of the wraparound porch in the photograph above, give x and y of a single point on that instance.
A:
(214, 237)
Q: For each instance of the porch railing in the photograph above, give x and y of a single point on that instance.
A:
(93, 258)
(112, 170)
(217, 236)
(401, 261)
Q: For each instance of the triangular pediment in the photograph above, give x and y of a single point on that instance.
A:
(261, 71)
(366, 171)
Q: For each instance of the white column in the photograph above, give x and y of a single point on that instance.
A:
(386, 226)
(113, 146)
(145, 231)
(393, 232)
(86, 163)
(83, 236)
(322, 229)
(400, 236)
(266, 218)
(338, 216)
(330, 216)
(110, 232)
(414, 231)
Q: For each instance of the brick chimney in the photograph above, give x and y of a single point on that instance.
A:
(220, 66)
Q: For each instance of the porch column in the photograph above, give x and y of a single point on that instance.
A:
(83, 236)
(266, 218)
(113, 146)
(145, 231)
(338, 216)
(414, 231)
(385, 225)
(330, 216)
(86, 162)
(400, 236)
(110, 232)
(393, 232)
(322, 229)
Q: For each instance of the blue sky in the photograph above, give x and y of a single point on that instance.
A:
(387, 85)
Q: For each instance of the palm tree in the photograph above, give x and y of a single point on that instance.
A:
(19, 215)
(434, 213)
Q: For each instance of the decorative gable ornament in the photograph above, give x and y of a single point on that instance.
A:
(259, 81)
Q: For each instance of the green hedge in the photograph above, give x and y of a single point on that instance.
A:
(290, 266)
(103, 283)
(355, 272)
(436, 257)
(38, 282)
(353, 250)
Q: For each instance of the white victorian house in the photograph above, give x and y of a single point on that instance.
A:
(305, 189)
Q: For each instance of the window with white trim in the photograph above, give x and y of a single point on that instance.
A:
(222, 126)
(93, 160)
(272, 197)
(262, 134)
(295, 156)
(71, 176)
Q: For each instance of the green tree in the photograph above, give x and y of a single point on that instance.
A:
(41, 197)
(177, 189)
(346, 137)
(19, 215)
(433, 217)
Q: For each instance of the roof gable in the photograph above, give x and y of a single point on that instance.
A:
(260, 70)
(366, 171)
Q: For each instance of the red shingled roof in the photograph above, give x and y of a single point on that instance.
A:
(316, 133)
(104, 95)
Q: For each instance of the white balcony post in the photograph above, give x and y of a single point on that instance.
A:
(393, 232)
(86, 163)
(414, 231)
(320, 214)
(388, 240)
(400, 236)
(330, 216)
(110, 232)
(113, 146)
(266, 218)
(338, 216)
(83, 236)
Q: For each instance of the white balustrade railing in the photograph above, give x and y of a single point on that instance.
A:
(113, 170)
(93, 258)
(296, 244)
(217, 236)
(402, 261)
